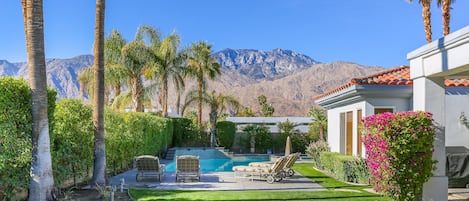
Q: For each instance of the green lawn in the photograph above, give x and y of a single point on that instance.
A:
(336, 190)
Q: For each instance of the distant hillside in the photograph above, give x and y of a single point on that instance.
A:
(288, 79)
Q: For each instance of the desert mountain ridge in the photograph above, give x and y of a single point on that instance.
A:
(288, 79)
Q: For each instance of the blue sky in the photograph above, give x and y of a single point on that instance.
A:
(368, 32)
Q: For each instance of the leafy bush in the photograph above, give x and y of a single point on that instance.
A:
(225, 133)
(399, 149)
(186, 134)
(73, 141)
(314, 149)
(345, 168)
(131, 134)
(259, 136)
(15, 133)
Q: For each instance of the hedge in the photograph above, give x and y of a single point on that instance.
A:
(129, 134)
(15, 133)
(225, 133)
(71, 132)
(73, 141)
(345, 168)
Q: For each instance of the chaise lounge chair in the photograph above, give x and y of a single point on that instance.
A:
(187, 166)
(287, 171)
(148, 166)
(273, 173)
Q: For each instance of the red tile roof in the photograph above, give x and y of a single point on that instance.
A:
(394, 76)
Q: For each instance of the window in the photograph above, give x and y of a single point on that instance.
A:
(383, 110)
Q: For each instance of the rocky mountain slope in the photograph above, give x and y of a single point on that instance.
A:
(288, 79)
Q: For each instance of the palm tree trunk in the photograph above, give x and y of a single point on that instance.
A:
(178, 98)
(82, 91)
(41, 179)
(164, 98)
(117, 89)
(136, 85)
(99, 167)
(426, 14)
(321, 133)
(200, 87)
(213, 123)
(446, 9)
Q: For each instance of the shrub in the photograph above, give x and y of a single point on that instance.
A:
(345, 168)
(225, 133)
(131, 134)
(15, 133)
(399, 150)
(314, 149)
(259, 135)
(73, 141)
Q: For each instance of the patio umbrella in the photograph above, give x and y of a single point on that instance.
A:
(288, 146)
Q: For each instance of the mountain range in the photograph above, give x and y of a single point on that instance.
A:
(288, 79)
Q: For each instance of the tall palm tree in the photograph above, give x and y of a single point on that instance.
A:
(41, 179)
(217, 104)
(130, 60)
(99, 165)
(446, 12)
(201, 65)
(320, 120)
(426, 14)
(166, 65)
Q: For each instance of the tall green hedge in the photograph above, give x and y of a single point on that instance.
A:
(226, 131)
(15, 133)
(73, 141)
(130, 134)
(71, 130)
(187, 134)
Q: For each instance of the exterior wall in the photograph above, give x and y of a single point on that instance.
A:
(271, 122)
(336, 137)
(457, 134)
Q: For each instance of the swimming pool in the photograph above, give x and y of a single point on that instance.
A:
(213, 160)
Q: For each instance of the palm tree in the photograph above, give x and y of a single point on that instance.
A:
(41, 177)
(217, 103)
(85, 79)
(201, 65)
(99, 167)
(320, 120)
(446, 12)
(166, 65)
(129, 60)
(426, 14)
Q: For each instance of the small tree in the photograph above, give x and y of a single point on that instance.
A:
(399, 149)
(319, 122)
(266, 109)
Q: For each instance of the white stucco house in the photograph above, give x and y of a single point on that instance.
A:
(390, 90)
(436, 82)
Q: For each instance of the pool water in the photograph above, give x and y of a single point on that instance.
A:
(222, 164)
(214, 160)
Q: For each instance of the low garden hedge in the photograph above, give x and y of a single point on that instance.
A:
(345, 168)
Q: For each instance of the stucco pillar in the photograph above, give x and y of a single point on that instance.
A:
(429, 95)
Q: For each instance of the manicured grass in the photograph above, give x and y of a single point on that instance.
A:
(336, 191)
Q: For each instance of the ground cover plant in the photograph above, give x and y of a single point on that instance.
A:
(336, 190)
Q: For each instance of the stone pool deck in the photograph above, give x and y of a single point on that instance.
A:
(216, 181)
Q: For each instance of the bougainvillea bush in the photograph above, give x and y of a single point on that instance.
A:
(399, 149)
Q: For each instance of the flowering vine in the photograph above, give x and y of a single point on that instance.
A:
(399, 149)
